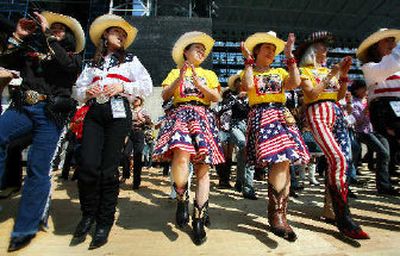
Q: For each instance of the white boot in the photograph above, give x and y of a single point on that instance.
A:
(311, 168)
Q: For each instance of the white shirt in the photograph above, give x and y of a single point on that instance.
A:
(383, 78)
(132, 75)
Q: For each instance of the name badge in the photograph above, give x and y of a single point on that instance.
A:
(118, 108)
(396, 107)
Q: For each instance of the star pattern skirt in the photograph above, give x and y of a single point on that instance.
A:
(270, 139)
(192, 129)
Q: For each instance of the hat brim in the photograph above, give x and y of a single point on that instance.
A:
(191, 38)
(102, 23)
(264, 38)
(231, 81)
(361, 53)
(71, 23)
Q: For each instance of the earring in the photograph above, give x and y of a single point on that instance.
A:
(105, 43)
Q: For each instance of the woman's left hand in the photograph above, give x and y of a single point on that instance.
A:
(42, 20)
(194, 75)
(344, 65)
(289, 46)
(113, 89)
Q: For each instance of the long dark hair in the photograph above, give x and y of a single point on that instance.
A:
(373, 54)
(101, 51)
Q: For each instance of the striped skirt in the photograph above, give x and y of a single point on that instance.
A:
(270, 139)
(192, 129)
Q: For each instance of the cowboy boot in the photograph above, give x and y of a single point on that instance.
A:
(328, 215)
(198, 223)
(312, 169)
(182, 209)
(344, 221)
(82, 230)
(277, 208)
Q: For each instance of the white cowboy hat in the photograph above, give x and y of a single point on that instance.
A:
(231, 81)
(374, 38)
(191, 38)
(71, 23)
(265, 37)
(101, 23)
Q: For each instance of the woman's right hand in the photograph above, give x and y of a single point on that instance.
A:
(245, 52)
(185, 66)
(24, 28)
(93, 91)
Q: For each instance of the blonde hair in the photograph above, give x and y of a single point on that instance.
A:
(308, 57)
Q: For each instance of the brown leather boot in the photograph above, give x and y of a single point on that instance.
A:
(277, 208)
(328, 215)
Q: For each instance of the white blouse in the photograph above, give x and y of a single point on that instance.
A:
(383, 78)
(132, 75)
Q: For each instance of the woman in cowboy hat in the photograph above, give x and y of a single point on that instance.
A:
(106, 84)
(273, 140)
(380, 53)
(326, 120)
(189, 133)
(47, 74)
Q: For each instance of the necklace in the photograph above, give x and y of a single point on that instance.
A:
(261, 69)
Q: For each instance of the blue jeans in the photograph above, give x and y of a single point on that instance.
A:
(380, 145)
(36, 191)
(355, 151)
(245, 174)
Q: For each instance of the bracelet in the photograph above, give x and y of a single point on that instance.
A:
(249, 62)
(344, 79)
(290, 61)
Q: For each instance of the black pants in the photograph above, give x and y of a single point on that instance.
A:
(135, 144)
(102, 143)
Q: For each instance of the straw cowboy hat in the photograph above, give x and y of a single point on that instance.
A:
(374, 38)
(262, 38)
(101, 23)
(315, 37)
(191, 38)
(231, 81)
(71, 23)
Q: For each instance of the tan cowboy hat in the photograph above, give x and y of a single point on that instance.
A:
(101, 23)
(265, 37)
(191, 38)
(231, 81)
(71, 23)
(374, 38)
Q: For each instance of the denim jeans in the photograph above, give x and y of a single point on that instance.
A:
(245, 174)
(380, 145)
(35, 194)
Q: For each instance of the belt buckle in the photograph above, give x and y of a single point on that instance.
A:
(31, 97)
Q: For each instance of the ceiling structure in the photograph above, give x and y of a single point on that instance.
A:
(350, 20)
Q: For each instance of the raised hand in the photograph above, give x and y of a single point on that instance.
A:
(42, 20)
(24, 28)
(289, 46)
(185, 66)
(245, 52)
(344, 65)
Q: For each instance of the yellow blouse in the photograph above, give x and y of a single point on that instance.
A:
(316, 75)
(268, 86)
(187, 91)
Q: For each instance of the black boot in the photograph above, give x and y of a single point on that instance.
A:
(182, 209)
(17, 243)
(100, 237)
(198, 223)
(82, 230)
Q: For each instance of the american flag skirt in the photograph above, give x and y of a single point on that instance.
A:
(193, 129)
(270, 139)
(326, 120)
